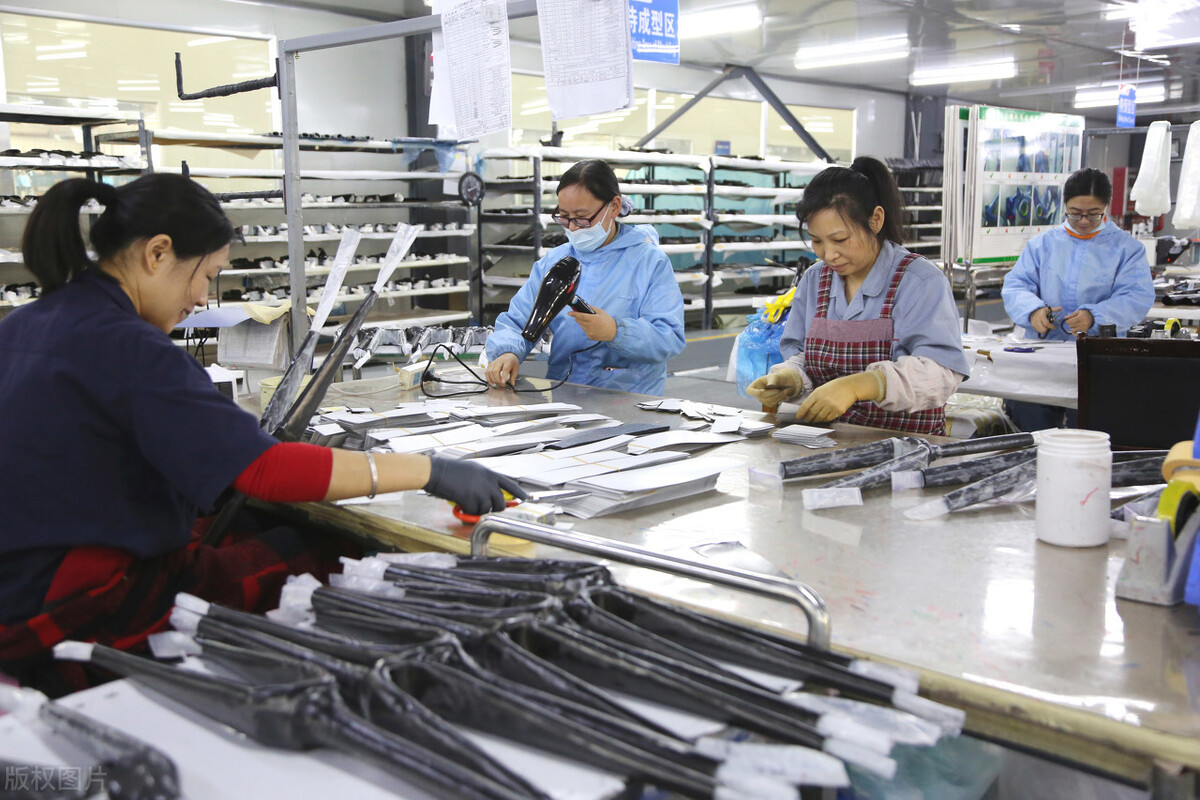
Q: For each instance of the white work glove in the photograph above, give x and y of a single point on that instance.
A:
(777, 387)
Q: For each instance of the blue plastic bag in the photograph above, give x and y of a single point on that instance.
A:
(757, 350)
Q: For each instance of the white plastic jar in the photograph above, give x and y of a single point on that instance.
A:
(1074, 479)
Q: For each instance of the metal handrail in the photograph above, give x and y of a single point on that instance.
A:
(771, 586)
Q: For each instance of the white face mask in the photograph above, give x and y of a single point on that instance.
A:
(585, 240)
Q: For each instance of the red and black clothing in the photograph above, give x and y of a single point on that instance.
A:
(112, 440)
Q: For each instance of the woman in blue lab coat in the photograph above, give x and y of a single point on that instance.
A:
(1073, 278)
(627, 280)
(114, 438)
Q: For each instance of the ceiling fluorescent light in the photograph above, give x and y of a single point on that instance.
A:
(1121, 11)
(1162, 60)
(998, 69)
(68, 44)
(57, 56)
(208, 40)
(862, 51)
(718, 21)
(1105, 95)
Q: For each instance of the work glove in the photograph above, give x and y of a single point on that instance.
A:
(776, 387)
(830, 400)
(473, 486)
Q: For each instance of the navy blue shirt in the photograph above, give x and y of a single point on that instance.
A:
(110, 434)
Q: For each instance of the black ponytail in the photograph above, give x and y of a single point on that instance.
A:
(1088, 182)
(854, 193)
(153, 204)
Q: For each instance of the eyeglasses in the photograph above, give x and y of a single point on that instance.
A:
(580, 222)
(1093, 217)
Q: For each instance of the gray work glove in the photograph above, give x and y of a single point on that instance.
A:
(473, 486)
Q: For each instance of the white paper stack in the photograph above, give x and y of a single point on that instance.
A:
(690, 408)
(429, 442)
(327, 434)
(679, 439)
(361, 421)
(738, 424)
(497, 415)
(381, 436)
(621, 491)
(526, 464)
(806, 435)
(503, 445)
(584, 420)
(601, 463)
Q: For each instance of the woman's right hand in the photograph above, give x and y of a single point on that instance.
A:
(502, 371)
(477, 489)
(776, 387)
(1040, 319)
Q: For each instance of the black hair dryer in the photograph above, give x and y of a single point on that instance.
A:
(557, 292)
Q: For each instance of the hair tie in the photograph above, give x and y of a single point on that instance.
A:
(626, 205)
(105, 194)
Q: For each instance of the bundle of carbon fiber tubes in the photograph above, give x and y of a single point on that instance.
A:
(412, 661)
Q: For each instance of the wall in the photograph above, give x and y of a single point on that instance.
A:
(349, 90)
(879, 124)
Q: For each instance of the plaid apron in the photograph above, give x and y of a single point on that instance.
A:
(835, 348)
(105, 595)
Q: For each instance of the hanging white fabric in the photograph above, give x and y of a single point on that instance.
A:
(1152, 190)
(1187, 201)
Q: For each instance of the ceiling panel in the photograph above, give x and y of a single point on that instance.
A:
(1054, 46)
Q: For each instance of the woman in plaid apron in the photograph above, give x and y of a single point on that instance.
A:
(873, 335)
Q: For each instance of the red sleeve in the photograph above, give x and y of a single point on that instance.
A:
(288, 472)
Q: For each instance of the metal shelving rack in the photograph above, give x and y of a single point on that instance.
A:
(705, 220)
(251, 243)
(12, 270)
(289, 50)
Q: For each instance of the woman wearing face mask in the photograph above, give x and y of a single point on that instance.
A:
(1073, 278)
(626, 279)
(873, 335)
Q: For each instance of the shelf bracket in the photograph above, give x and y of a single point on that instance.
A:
(224, 90)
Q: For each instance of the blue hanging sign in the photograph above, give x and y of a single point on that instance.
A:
(654, 30)
(1126, 105)
(722, 147)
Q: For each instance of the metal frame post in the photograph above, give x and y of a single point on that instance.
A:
(292, 205)
(289, 51)
(796, 592)
(732, 72)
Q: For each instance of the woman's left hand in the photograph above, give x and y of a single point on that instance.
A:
(599, 327)
(1080, 322)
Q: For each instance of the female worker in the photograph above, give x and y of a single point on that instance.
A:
(873, 335)
(113, 436)
(627, 280)
(1073, 278)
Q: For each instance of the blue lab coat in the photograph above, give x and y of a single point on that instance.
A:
(112, 436)
(632, 280)
(1108, 275)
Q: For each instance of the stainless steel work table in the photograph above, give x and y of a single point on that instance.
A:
(1027, 637)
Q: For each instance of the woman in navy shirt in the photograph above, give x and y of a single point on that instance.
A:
(112, 437)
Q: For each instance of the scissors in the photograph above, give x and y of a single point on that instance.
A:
(510, 501)
(1053, 319)
(471, 519)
